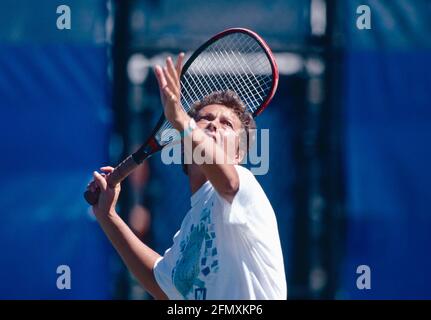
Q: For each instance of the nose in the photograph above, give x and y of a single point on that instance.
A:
(211, 126)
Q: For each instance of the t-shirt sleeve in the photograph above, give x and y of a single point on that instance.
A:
(161, 274)
(162, 271)
(235, 213)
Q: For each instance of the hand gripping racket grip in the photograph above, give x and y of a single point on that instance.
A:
(119, 174)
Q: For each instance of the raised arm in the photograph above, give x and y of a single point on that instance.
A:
(137, 256)
(222, 174)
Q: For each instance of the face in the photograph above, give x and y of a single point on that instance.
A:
(223, 126)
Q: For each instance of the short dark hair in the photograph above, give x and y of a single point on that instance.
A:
(231, 100)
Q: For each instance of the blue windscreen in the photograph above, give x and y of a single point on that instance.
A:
(387, 150)
(55, 120)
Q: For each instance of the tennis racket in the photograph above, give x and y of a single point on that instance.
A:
(236, 59)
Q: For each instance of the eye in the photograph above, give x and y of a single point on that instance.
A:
(228, 123)
(204, 117)
(207, 117)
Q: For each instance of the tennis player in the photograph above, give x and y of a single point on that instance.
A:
(228, 246)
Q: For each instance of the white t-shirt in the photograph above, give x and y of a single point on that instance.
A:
(223, 250)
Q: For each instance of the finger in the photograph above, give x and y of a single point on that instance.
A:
(160, 77)
(171, 69)
(100, 181)
(91, 186)
(108, 170)
(94, 187)
(172, 84)
(161, 80)
(169, 94)
(179, 65)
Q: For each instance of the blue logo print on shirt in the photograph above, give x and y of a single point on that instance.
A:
(193, 263)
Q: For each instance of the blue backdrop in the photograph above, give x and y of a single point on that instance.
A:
(387, 149)
(55, 119)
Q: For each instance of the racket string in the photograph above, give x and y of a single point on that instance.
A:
(247, 86)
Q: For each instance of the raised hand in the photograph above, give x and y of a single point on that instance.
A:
(168, 79)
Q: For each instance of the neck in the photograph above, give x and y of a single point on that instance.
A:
(196, 177)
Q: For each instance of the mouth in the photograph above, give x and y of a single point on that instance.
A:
(211, 135)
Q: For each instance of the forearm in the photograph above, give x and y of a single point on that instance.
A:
(217, 167)
(222, 175)
(138, 257)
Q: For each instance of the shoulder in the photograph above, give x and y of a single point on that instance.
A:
(249, 190)
(243, 172)
(247, 179)
(249, 203)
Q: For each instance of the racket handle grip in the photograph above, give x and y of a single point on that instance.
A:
(119, 174)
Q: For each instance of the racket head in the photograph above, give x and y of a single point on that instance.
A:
(245, 42)
(236, 59)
